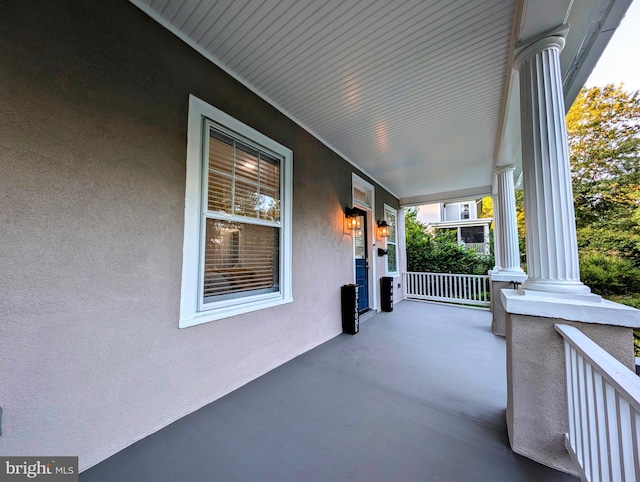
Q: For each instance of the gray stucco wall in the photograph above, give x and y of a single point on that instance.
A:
(537, 415)
(93, 103)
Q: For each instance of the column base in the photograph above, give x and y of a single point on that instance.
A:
(563, 287)
(537, 418)
(502, 280)
(499, 315)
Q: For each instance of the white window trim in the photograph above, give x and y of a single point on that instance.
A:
(189, 299)
(394, 242)
(362, 185)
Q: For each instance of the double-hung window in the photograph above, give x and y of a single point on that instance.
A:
(464, 211)
(237, 247)
(390, 216)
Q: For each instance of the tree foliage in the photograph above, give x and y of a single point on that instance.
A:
(603, 129)
(440, 252)
(485, 207)
(522, 232)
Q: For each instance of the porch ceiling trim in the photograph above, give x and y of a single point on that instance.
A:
(450, 196)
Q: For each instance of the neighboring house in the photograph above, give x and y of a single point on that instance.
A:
(461, 217)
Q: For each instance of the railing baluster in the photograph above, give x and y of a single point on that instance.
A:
(603, 399)
(404, 284)
(469, 293)
(612, 426)
(456, 286)
(583, 452)
(428, 285)
(475, 289)
(636, 442)
(592, 432)
(568, 359)
(601, 427)
(465, 281)
(626, 440)
(446, 286)
(575, 439)
(415, 289)
(486, 289)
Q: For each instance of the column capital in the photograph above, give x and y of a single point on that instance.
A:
(501, 169)
(551, 39)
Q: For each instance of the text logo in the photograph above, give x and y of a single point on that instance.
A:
(50, 469)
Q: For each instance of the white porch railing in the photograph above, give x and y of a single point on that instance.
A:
(468, 289)
(480, 248)
(604, 411)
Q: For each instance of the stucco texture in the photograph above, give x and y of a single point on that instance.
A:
(537, 416)
(94, 103)
(499, 318)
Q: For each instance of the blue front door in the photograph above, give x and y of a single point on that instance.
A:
(363, 282)
(362, 265)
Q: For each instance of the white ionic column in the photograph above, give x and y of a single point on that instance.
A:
(509, 249)
(552, 248)
(497, 243)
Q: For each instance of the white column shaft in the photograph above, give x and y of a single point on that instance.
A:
(552, 249)
(497, 228)
(510, 251)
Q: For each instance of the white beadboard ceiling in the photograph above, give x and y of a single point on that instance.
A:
(412, 92)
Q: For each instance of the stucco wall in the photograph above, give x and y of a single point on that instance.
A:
(94, 99)
(537, 415)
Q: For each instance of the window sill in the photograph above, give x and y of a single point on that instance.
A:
(229, 311)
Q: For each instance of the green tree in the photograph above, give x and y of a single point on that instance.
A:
(521, 227)
(603, 129)
(440, 252)
(485, 207)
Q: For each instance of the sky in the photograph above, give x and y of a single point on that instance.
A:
(620, 61)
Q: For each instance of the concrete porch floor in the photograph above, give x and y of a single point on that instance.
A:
(419, 394)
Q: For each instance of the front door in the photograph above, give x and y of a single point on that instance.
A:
(362, 265)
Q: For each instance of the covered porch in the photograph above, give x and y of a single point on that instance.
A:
(113, 236)
(419, 394)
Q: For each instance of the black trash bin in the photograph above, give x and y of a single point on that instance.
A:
(350, 315)
(386, 292)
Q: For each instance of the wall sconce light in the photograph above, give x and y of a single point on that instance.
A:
(384, 230)
(353, 218)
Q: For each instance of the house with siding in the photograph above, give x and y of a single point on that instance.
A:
(460, 217)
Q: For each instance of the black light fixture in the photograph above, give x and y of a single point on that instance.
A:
(384, 230)
(353, 217)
